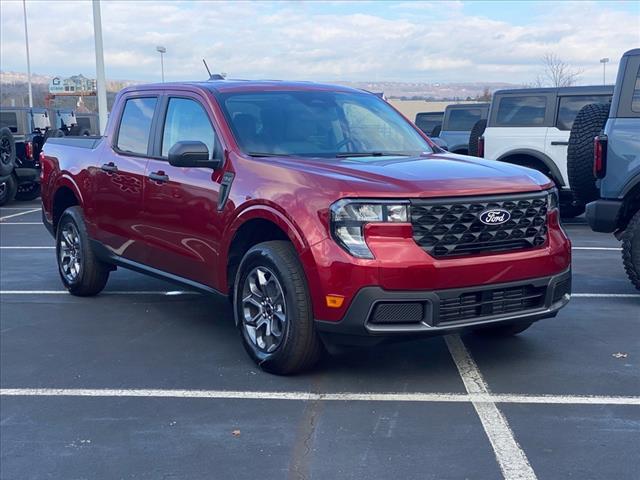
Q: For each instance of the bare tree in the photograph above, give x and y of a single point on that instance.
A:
(557, 73)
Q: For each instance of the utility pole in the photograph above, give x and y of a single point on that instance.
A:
(26, 41)
(101, 83)
(161, 51)
(604, 61)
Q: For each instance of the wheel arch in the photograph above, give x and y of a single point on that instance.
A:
(66, 194)
(534, 159)
(255, 225)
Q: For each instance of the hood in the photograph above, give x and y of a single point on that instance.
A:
(433, 175)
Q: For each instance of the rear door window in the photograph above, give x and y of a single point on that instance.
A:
(522, 111)
(462, 120)
(187, 120)
(135, 125)
(569, 107)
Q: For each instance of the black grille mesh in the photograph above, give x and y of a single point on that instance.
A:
(398, 313)
(491, 302)
(453, 227)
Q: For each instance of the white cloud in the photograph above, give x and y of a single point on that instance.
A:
(302, 41)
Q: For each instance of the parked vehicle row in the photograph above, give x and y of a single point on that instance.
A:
(23, 132)
(322, 213)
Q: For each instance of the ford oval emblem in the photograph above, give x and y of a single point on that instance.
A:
(495, 216)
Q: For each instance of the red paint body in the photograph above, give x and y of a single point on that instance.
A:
(175, 227)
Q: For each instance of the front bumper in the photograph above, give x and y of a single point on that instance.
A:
(444, 311)
(603, 215)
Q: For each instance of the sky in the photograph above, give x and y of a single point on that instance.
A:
(444, 41)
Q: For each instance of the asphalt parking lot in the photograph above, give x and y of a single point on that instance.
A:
(149, 381)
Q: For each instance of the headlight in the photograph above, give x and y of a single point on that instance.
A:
(349, 217)
(552, 199)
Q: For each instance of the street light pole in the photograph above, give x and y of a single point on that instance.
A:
(604, 61)
(101, 84)
(26, 41)
(162, 51)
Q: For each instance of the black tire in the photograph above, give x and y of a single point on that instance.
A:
(84, 133)
(476, 132)
(8, 188)
(7, 152)
(299, 347)
(53, 133)
(571, 210)
(508, 330)
(631, 250)
(436, 131)
(588, 123)
(28, 191)
(92, 274)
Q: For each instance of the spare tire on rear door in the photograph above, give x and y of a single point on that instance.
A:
(436, 131)
(476, 132)
(7, 152)
(588, 123)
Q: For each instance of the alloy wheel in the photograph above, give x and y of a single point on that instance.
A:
(264, 313)
(70, 253)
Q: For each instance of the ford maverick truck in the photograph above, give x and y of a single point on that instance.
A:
(325, 216)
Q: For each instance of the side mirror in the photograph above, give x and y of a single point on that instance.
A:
(190, 153)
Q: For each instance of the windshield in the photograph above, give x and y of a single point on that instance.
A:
(319, 124)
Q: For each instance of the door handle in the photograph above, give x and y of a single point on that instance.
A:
(109, 167)
(159, 177)
(559, 143)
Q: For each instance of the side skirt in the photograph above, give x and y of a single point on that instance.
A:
(107, 256)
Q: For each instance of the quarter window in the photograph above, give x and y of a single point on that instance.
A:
(635, 101)
(528, 111)
(135, 125)
(570, 106)
(187, 120)
(8, 120)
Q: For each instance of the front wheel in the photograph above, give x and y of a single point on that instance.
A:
(8, 188)
(631, 250)
(81, 272)
(273, 310)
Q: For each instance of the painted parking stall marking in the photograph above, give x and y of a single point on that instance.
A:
(511, 458)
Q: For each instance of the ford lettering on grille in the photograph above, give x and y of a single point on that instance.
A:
(495, 216)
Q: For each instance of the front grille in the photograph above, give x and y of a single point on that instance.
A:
(398, 312)
(452, 227)
(484, 303)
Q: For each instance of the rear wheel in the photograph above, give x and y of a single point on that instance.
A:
(507, 330)
(7, 152)
(588, 123)
(8, 187)
(631, 250)
(476, 132)
(273, 309)
(81, 272)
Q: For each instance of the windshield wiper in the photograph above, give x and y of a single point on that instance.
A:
(371, 154)
(265, 154)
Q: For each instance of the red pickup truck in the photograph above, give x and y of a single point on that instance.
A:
(324, 214)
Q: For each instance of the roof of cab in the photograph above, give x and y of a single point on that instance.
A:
(583, 90)
(227, 86)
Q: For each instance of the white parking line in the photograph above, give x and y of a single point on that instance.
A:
(605, 295)
(511, 458)
(21, 213)
(111, 292)
(26, 248)
(21, 223)
(614, 249)
(336, 397)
